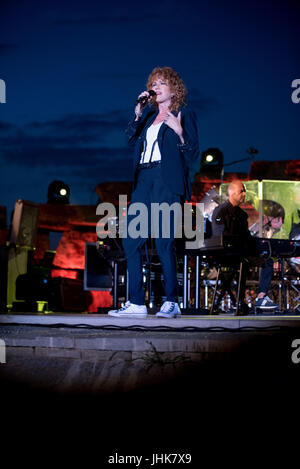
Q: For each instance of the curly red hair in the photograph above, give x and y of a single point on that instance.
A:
(175, 83)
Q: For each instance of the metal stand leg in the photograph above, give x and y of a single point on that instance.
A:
(197, 280)
(215, 291)
(185, 281)
(283, 286)
(206, 296)
(127, 285)
(239, 289)
(294, 284)
(115, 284)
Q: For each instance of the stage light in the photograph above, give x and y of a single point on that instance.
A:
(209, 158)
(58, 193)
(212, 162)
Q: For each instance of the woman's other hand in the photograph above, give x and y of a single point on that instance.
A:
(174, 123)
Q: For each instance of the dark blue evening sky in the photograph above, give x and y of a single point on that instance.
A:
(73, 70)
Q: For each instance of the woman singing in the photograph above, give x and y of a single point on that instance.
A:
(165, 140)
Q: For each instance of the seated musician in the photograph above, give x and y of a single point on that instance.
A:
(230, 220)
(295, 226)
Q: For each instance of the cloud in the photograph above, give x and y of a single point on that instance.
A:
(6, 127)
(82, 123)
(7, 47)
(70, 148)
(104, 20)
(75, 139)
(31, 156)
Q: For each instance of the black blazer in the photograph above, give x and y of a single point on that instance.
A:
(175, 156)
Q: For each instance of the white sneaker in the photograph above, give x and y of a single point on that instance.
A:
(265, 303)
(169, 310)
(129, 310)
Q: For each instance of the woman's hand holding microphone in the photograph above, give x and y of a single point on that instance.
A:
(142, 100)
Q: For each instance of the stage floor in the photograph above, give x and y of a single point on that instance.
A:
(91, 354)
(228, 321)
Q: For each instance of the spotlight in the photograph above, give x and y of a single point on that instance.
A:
(212, 162)
(58, 193)
(209, 158)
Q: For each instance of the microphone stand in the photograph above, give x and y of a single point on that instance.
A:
(251, 151)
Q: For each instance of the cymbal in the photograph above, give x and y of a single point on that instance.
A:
(272, 209)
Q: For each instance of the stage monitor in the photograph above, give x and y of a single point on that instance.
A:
(24, 223)
(98, 275)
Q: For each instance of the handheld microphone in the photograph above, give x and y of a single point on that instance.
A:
(144, 99)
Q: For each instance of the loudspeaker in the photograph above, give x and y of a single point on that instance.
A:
(32, 286)
(19, 262)
(66, 294)
(3, 277)
(2, 218)
(24, 223)
(97, 270)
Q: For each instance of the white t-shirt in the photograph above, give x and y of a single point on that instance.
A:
(151, 145)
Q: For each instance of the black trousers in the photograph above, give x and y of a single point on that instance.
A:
(151, 189)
